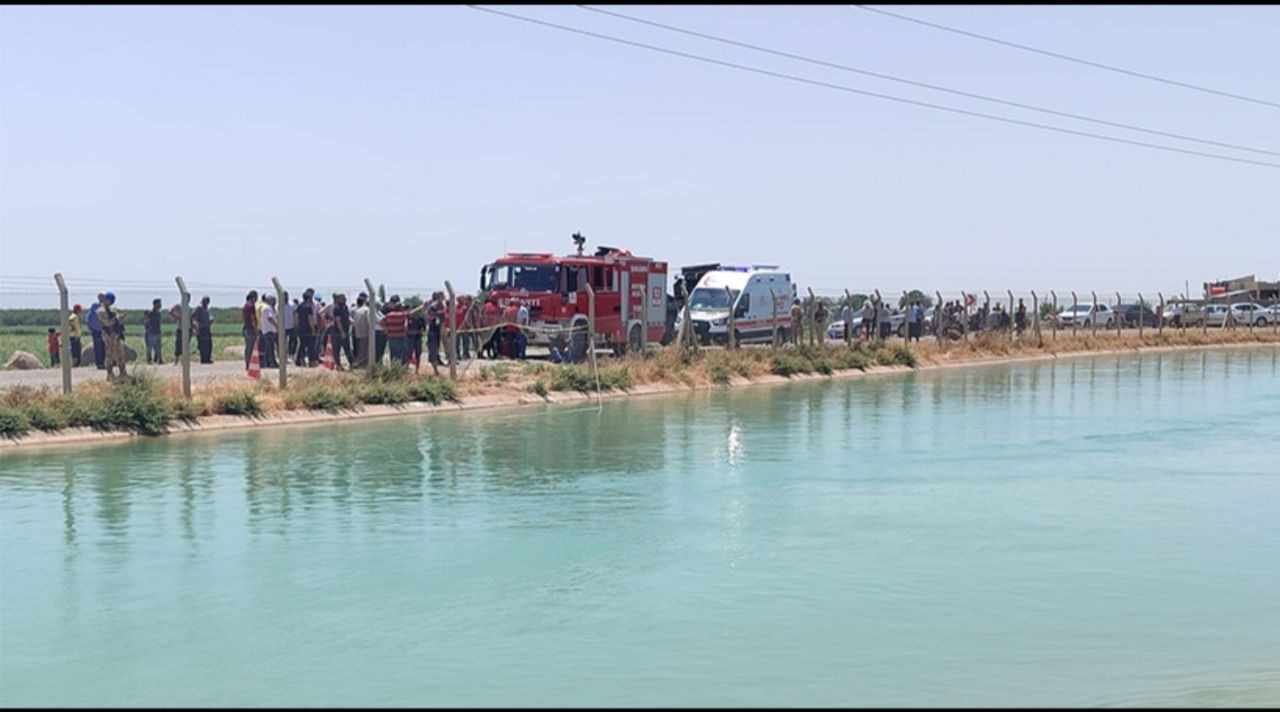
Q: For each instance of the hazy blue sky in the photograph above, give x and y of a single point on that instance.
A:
(412, 144)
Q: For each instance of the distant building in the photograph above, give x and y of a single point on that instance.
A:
(1243, 288)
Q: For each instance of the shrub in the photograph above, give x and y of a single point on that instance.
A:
(539, 388)
(238, 403)
(719, 373)
(573, 378)
(134, 403)
(13, 422)
(497, 373)
(903, 356)
(187, 410)
(45, 418)
(384, 393)
(320, 397)
(388, 372)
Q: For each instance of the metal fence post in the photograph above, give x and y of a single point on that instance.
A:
(687, 336)
(282, 346)
(730, 338)
(813, 318)
(1119, 319)
(591, 324)
(452, 346)
(1053, 294)
(1141, 305)
(1093, 318)
(64, 337)
(185, 334)
(1160, 316)
(937, 315)
(964, 315)
(875, 322)
(373, 318)
(1075, 314)
(906, 320)
(848, 323)
(1035, 312)
(1009, 316)
(773, 300)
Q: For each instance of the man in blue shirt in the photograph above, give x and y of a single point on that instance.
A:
(95, 331)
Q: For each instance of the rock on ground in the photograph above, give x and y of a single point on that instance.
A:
(23, 361)
(86, 356)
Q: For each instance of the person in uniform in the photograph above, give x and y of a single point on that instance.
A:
(112, 335)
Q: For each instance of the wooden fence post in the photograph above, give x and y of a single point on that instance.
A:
(373, 319)
(452, 346)
(185, 335)
(64, 336)
(282, 345)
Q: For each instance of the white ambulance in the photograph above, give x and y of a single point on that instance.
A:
(745, 290)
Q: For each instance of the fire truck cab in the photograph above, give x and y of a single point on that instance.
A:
(631, 295)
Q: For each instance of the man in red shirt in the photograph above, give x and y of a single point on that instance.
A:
(490, 319)
(396, 325)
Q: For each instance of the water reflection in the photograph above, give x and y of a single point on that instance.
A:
(286, 474)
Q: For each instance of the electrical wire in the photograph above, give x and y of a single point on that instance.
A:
(934, 87)
(1067, 58)
(888, 97)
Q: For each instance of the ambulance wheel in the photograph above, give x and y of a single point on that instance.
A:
(634, 338)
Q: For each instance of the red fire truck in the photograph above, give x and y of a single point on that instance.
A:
(631, 294)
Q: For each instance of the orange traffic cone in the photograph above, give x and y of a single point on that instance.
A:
(254, 370)
(327, 362)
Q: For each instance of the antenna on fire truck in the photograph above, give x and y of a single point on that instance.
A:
(579, 239)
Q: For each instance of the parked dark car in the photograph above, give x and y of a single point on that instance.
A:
(1132, 312)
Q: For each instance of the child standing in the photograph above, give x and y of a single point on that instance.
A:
(53, 347)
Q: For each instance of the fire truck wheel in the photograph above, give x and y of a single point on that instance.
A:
(578, 344)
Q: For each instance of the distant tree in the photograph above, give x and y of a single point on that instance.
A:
(916, 295)
(382, 294)
(412, 302)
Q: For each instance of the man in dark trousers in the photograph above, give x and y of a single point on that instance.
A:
(202, 325)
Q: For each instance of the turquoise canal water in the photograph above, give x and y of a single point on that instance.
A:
(1097, 531)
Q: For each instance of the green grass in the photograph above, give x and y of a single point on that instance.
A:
(37, 344)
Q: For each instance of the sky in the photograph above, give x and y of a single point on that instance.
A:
(411, 145)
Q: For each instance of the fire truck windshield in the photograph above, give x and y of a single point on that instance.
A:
(534, 278)
(708, 298)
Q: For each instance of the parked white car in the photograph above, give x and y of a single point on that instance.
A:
(1248, 313)
(1084, 315)
(897, 323)
(1215, 314)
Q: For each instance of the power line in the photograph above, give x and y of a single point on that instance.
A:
(926, 85)
(1068, 58)
(841, 87)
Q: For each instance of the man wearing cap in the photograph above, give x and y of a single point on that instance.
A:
(95, 331)
(112, 323)
(74, 322)
(304, 325)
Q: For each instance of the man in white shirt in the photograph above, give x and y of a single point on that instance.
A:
(522, 339)
(287, 309)
(360, 329)
(270, 332)
(846, 315)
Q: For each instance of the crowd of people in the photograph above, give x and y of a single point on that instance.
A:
(312, 326)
